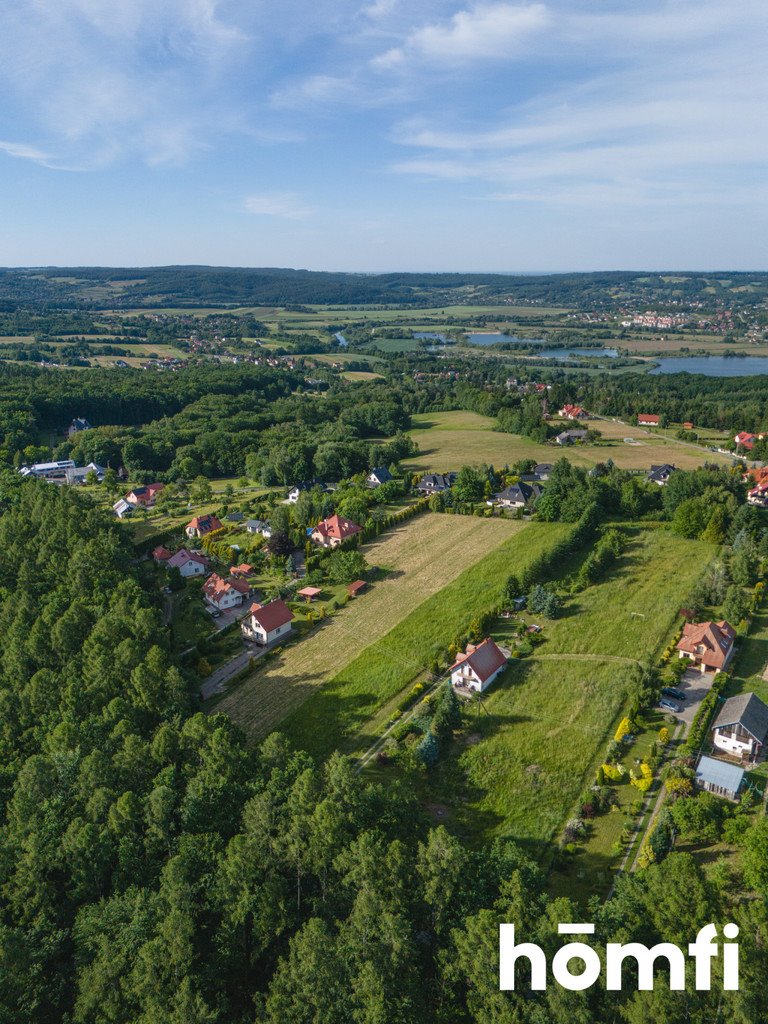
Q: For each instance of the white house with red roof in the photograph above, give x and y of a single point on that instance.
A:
(266, 623)
(332, 532)
(201, 526)
(746, 440)
(478, 666)
(573, 412)
(189, 563)
(709, 645)
(224, 594)
(648, 419)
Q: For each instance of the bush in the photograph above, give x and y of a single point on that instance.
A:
(429, 750)
(642, 778)
(625, 727)
(614, 772)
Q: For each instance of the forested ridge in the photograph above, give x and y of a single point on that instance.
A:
(123, 287)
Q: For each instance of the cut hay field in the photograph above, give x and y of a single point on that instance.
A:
(355, 375)
(524, 758)
(423, 556)
(449, 440)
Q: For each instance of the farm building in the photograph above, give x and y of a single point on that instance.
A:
(478, 666)
(569, 436)
(648, 419)
(353, 589)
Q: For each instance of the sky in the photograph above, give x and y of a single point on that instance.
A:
(384, 135)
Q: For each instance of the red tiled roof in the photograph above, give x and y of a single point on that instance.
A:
(356, 587)
(337, 528)
(484, 659)
(161, 554)
(241, 586)
(270, 616)
(716, 638)
(572, 410)
(205, 524)
(241, 570)
(309, 591)
(648, 417)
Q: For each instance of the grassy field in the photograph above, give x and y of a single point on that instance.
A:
(355, 375)
(422, 555)
(449, 440)
(526, 754)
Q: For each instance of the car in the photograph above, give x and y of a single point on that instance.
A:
(671, 691)
(669, 705)
(213, 612)
(167, 590)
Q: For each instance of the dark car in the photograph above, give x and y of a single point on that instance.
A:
(670, 691)
(669, 705)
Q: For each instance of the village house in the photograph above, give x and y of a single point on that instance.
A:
(478, 666)
(77, 475)
(648, 419)
(660, 474)
(570, 436)
(189, 563)
(520, 495)
(123, 508)
(244, 570)
(331, 532)
(741, 727)
(747, 440)
(260, 526)
(758, 495)
(304, 485)
(709, 645)
(78, 424)
(573, 412)
(378, 476)
(719, 777)
(201, 526)
(434, 483)
(266, 623)
(54, 471)
(144, 497)
(224, 594)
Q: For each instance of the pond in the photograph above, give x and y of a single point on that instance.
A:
(497, 338)
(580, 353)
(713, 366)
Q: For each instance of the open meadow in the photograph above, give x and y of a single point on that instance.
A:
(449, 440)
(535, 739)
(421, 557)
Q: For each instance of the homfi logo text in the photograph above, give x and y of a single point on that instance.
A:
(577, 965)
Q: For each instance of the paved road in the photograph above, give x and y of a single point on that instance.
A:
(217, 680)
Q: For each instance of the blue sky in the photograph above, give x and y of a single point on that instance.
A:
(384, 135)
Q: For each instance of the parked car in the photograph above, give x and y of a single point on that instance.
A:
(669, 705)
(671, 691)
(213, 612)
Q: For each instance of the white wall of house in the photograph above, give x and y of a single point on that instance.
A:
(254, 631)
(230, 599)
(191, 568)
(464, 675)
(733, 745)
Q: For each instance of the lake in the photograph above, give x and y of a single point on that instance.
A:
(713, 366)
(497, 338)
(580, 353)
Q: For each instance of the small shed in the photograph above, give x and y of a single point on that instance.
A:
(309, 593)
(719, 777)
(354, 588)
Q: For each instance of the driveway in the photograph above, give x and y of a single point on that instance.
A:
(695, 686)
(217, 680)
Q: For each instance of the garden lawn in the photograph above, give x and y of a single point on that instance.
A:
(528, 751)
(422, 556)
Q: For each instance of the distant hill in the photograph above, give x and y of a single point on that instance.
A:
(127, 287)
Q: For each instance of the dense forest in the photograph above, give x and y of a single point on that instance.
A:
(110, 288)
(153, 869)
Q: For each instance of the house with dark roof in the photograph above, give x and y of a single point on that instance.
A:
(741, 727)
(331, 532)
(303, 485)
(266, 623)
(519, 495)
(709, 645)
(78, 424)
(569, 436)
(478, 666)
(719, 777)
(434, 483)
(660, 474)
(201, 526)
(259, 526)
(378, 476)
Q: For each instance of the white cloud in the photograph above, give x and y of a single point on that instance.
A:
(25, 152)
(277, 204)
(488, 31)
(317, 89)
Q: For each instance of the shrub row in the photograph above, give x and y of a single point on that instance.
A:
(700, 727)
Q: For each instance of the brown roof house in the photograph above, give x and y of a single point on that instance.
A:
(709, 645)
(201, 526)
(266, 623)
(332, 532)
(477, 668)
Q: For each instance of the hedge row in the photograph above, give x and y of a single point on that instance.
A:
(700, 727)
